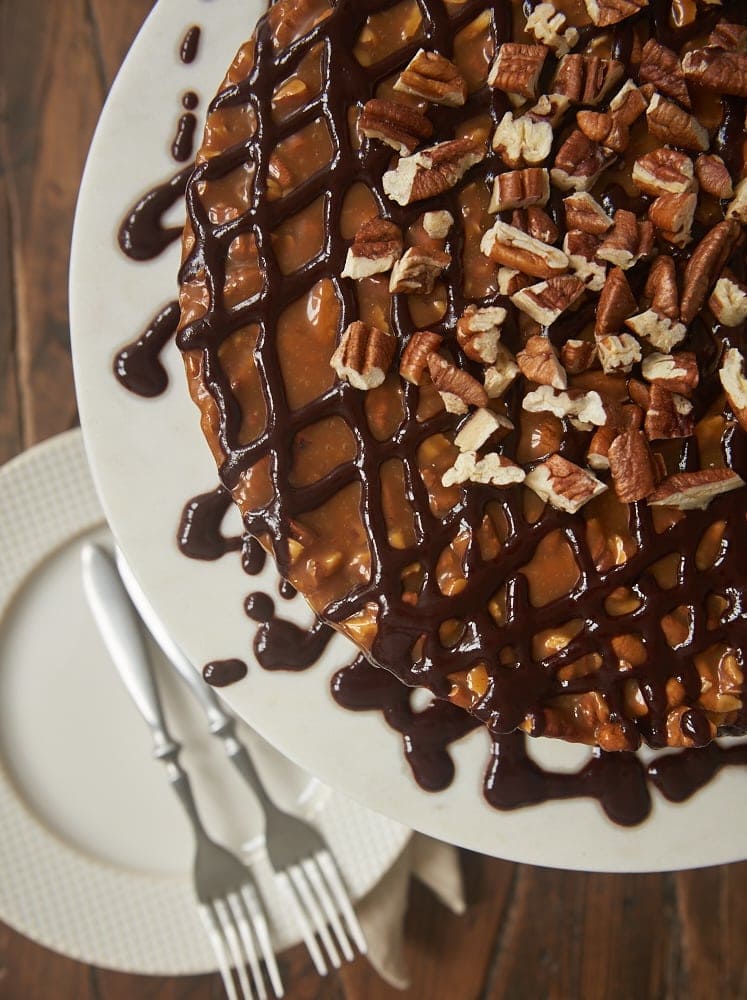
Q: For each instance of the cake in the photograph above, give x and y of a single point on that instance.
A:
(463, 309)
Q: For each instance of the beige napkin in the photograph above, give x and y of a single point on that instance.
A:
(382, 910)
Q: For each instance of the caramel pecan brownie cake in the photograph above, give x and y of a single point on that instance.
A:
(463, 311)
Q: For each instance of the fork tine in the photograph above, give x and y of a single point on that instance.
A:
(215, 937)
(242, 924)
(262, 933)
(231, 935)
(312, 908)
(311, 868)
(303, 924)
(328, 866)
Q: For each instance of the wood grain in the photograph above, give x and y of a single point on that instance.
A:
(529, 932)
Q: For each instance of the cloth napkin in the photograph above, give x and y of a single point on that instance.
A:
(382, 910)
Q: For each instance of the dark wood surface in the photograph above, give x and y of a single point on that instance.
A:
(529, 932)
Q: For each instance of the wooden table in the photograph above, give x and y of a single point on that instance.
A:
(529, 932)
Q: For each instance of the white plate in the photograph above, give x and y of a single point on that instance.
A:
(149, 457)
(95, 852)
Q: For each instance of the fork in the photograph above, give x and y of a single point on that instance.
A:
(228, 900)
(305, 869)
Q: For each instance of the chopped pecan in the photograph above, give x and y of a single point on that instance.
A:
(564, 485)
(586, 79)
(661, 331)
(673, 215)
(725, 72)
(661, 67)
(539, 363)
(432, 171)
(737, 208)
(479, 428)
(478, 332)
(705, 265)
(414, 361)
(616, 303)
(400, 127)
(499, 377)
(728, 301)
(606, 12)
(522, 142)
(612, 128)
(376, 247)
(714, 176)
(668, 122)
(535, 221)
(632, 466)
(510, 246)
(549, 26)
(579, 163)
(676, 372)
(581, 249)
(417, 271)
(434, 78)
(627, 242)
(517, 67)
(492, 470)
(583, 409)
(664, 171)
(549, 109)
(695, 490)
(584, 212)
(735, 384)
(669, 415)
(520, 188)
(618, 353)
(364, 355)
(578, 356)
(457, 388)
(728, 36)
(661, 288)
(597, 455)
(438, 224)
(546, 301)
(510, 280)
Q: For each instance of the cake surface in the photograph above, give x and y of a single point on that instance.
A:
(462, 307)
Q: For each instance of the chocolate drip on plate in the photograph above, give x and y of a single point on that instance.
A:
(221, 673)
(138, 365)
(141, 235)
(199, 535)
(182, 148)
(190, 44)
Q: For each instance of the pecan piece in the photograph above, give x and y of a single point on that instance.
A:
(492, 470)
(546, 301)
(695, 490)
(434, 78)
(618, 353)
(479, 428)
(414, 361)
(539, 363)
(536, 222)
(735, 384)
(725, 72)
(438, 224)
(676, 372)
(606, 12)
(510, 246)
(578, 356)
(728, 36)
(432, 171)
(673, 215)
(664, 171)
(737, 208)
(668, 122)
(668, 416)
(662, 332)
(550, 26)
(457, 388)
(616, 303)
(661, 288)
(627, 242)
(510, 280)
(632, 466)
(499, 377)
(583, 409)
(728, 301)
(661, 67)
(705, 264)
(520, 188)
(364, 355)
(581, 249)
(579, 163)
(586, 79)
(549, 109)
(478, 332)
(376, 247)
(564, 485)
(522, 142)
(400, 127)
(584, 212)
(417, 271)
(714, 176)
(516, 69)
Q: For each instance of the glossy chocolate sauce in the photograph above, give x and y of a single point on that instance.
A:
(141, 235)
(190, 100)
(190, 44)
(199, 535)
(183, 145)
(138, 365)
(280, 644)
(253, 556)
(221, 673)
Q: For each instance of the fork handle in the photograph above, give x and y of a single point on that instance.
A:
(120, 629)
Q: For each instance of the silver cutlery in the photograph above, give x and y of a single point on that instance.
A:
(228, 900)
(304, 866)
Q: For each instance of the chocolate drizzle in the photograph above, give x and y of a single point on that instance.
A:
(280, 644)
(221, 673)
(182, 147)
(190, 44)
(138, 365)
(199, 535)
(141, 235)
